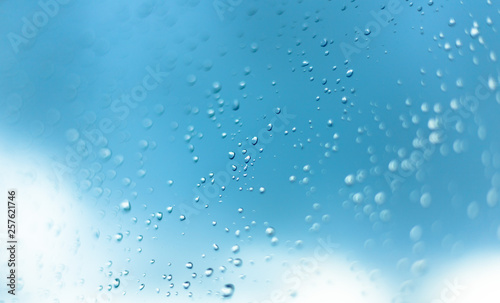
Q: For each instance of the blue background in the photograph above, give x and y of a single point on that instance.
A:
(284, 63)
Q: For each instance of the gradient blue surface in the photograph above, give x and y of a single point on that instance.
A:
(365, 134)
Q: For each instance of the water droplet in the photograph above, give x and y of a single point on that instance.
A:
(385, 215)
(358, 197)
(125, 206)
(118, 237)
(425, 200)
(209, 272)
(349, 73)
(474, 32)
(492, 197)
(416, 233)
(72, 135)
(216, 87)
(237, 262)
(236, 105)
(492, 83)
(211, 112)
(472, 210)
(141, 173)
(419, 267)
(147, 123)
(349, 180)
(227, 291)
(270, 231)
(254, 47)
(105, 153)
(191, 79)
(380, 198)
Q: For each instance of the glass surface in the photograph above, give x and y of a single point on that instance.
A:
(250, 151)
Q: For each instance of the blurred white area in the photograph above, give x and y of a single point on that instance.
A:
(61, 261)
(469, 280)
(339, 281)
(50, 229)
(315, 274)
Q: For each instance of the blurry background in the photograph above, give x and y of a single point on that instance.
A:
(252, 151)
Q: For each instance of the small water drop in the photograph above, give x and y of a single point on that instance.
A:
(474, 32)
(425, 200)
(208, 272)
(349, 180)
(270, 231)
(125, 206)
(380, 198)
(237, 262)
(227, 291)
